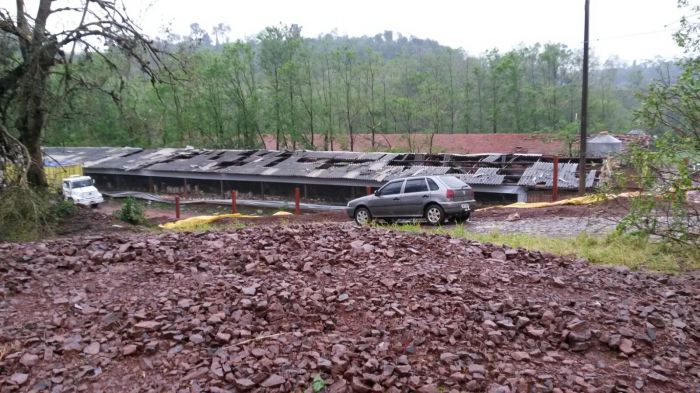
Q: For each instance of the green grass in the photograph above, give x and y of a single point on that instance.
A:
(633, 252)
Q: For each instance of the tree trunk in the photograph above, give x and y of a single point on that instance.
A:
(481, 106)
(347, 112)
(386, 120)
(495, 105)
(311, 109)
(30, 121)
(452, 97)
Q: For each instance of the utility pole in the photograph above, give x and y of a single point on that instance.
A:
(584, 110)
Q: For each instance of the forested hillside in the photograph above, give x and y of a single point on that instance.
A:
(221, 94)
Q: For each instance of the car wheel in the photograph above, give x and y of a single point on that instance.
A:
(362, 216)
(434, 215)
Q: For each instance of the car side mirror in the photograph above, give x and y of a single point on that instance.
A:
(377, 193)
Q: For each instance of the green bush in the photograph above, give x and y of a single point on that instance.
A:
(663, 175)
(25, 214)
(131, 212)
(63, 209)
(30, 214)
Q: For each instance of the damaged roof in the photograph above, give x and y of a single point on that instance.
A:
(541, 174)
(356, 167)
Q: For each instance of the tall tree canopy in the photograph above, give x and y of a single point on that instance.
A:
(675, 104)
(94, 85)
(317, 91)
(41, 55)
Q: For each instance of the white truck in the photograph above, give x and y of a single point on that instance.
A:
(81, 191)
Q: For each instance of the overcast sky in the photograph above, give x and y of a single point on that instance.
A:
(630, 29)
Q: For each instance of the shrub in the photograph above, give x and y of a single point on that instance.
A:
(664, 176)
(63, 209)
(25, 214)
(131, 212)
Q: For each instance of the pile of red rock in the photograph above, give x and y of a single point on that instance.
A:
(335, 308)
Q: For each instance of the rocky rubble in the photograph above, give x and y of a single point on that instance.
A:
(335, 308)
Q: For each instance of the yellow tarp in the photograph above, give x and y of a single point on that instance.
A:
(283, 214)
(193, 222)
(54, 174)
(582, 200)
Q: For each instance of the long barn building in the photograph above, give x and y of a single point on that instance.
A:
(333, 176)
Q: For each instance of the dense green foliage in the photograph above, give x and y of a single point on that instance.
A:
(28, 214)
(131, 212)
(298, 89)
(666, 174)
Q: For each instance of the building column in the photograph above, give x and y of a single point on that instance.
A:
(522, 195)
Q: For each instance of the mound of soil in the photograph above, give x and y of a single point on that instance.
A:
(275, 308)
(90, 221)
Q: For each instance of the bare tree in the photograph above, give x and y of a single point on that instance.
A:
(100, 24)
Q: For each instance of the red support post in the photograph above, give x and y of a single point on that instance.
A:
(297, 201)
(369, 190)
(555, 178)
(177, 207)
(233, 202)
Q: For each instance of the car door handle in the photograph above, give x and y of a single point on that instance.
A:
(396, 199)
(425, 196)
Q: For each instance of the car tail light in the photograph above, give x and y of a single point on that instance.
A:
(450, 195)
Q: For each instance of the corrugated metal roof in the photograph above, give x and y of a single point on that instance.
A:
(605, 139)
(484, 169)
(540, 174)
(483, 176)
(492, 158)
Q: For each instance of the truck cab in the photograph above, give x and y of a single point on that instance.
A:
(81, 191)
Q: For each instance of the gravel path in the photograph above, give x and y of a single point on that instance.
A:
(545, 226)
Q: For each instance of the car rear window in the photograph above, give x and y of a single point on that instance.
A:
(415, 185)
(452, 182)
(392, 188)
(433, 185)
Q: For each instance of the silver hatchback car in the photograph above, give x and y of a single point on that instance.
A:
(435, 198)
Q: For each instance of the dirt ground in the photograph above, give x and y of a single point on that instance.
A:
(274, 308)
(156, 214)
(495, 218)
(102, 220)
(92, 221)
(554, 221)
(612, 208)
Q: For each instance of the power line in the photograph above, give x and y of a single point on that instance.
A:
(668, 27)
(632, 35)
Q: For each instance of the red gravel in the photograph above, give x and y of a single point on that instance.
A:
(270, 308)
